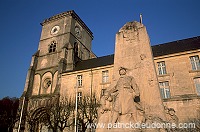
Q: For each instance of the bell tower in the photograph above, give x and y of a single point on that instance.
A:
(65, 40)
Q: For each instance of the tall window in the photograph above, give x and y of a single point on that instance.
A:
(79, 96)
(197, 85)
(105, 76)
(52, 47)
(76, 49)
(195, 62)
(164, 89)
(161, 68)
(80, 80)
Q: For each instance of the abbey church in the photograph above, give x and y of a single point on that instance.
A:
(64, 65)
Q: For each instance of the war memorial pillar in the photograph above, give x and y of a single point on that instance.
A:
(135, 95)
(133, 51)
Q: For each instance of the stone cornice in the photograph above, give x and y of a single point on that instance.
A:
(65, 14)
(182, 98)
(56, 17)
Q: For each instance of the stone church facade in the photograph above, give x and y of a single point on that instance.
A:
(64, 61)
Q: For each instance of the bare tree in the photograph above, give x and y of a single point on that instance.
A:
(60, 116)
(192, 125)
(87, 111)
(8, 113)
(31, 122)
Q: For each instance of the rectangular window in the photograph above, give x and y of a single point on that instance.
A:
(79, 96)
(161, 68)
(195, 62)
(197, 85)
(103, 92)
(80, 80)
(164, 89)
(105, 76)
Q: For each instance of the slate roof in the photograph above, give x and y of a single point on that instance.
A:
(176, 46)
(96, 62)
(158, 50)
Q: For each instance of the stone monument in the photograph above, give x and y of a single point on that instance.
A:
(135, 92)
(133, 51)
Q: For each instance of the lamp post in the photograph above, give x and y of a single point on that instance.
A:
(76, 105)
(91, 98)
(21, 114)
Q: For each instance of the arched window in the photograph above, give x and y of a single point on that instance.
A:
(52, 47)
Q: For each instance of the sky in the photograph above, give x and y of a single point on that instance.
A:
(165, 20)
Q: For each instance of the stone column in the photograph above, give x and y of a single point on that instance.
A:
(133, 51)
(70, 58)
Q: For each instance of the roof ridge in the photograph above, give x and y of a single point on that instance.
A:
(97, 57)
(197, 37)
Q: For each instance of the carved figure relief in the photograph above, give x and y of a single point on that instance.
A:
(125, 87)
(104, 112)
(125, 97)
(142, 56)
(170, 115)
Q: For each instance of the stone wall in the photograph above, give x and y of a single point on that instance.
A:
(91, 81)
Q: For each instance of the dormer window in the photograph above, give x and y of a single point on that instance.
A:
(52, 47)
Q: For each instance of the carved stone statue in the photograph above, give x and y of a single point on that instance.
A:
(120, 104)
(104, 112)
(170, 115)
(124, 92)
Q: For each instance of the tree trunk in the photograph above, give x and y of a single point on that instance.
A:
(61, 130)
(54, 130)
